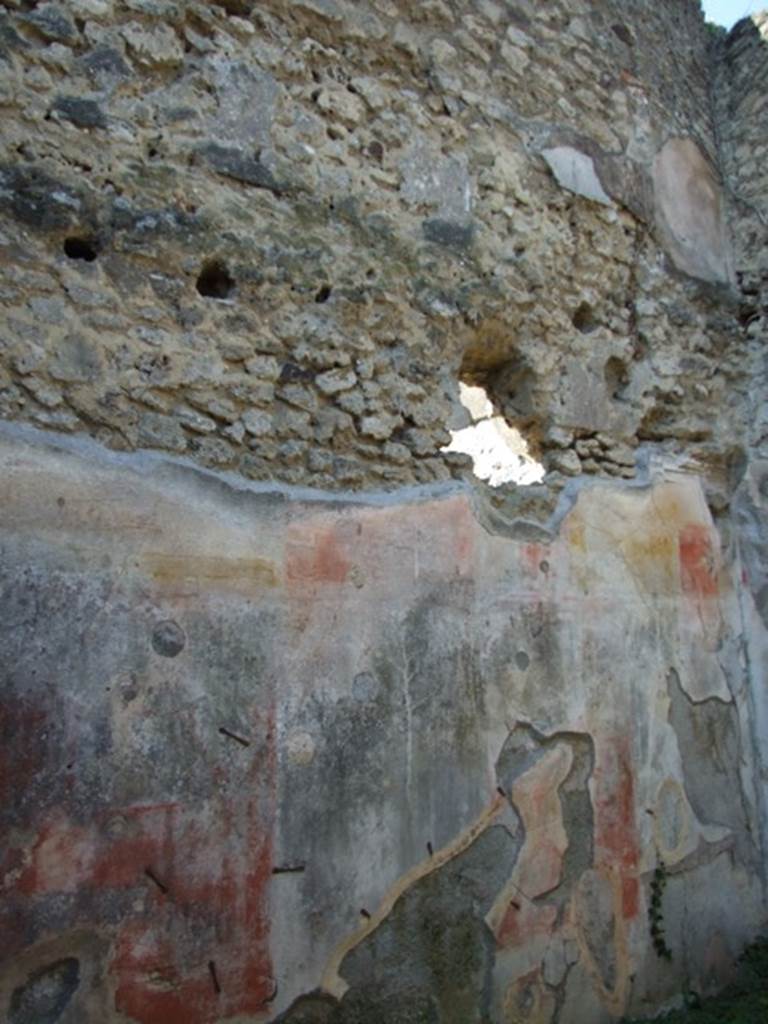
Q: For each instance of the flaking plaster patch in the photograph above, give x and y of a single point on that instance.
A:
(576, 171)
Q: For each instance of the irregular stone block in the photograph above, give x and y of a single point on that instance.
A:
(80, 112)
(53, 22)
(104, 64)
(155, 46)
(38, 200)
(448, 233)
(233, 164)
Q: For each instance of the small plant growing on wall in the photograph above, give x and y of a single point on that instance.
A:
(656, 912)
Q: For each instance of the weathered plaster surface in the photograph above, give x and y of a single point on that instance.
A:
(364, 755)
(689, 211)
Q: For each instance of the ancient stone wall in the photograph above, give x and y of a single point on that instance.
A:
(299, 721)
(365, 195)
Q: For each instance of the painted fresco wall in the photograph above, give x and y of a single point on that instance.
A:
(271, 757)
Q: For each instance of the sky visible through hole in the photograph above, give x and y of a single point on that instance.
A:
(728, 12)
(499, 451)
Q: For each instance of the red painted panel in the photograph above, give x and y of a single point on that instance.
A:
(615, 830)
(197, 874)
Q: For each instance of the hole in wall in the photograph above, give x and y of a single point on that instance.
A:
(323, 294)
(215, 281)
(616, 377)
(500, 454)
(237, 8)
(80, 249)
(584, 319)
(623, 34)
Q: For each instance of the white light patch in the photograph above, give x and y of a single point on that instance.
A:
(499, 452)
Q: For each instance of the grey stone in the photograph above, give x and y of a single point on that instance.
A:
(265, 367)
(235, 431)
(104, 65)
(158, 431)
(326, 9)
(246, 101)
(212, 451)
(448, 233)
(334, 381)
(38, 200)
(291, 452)
(231, 163)
(76, 358)
(257, 423)
(156, 45)
(293, 421)
(81, 112)
(194, 420)
(57, 419)
(299, 395)
(331, 421)
(48, 396)
(379, 427)
(49, 310)
(53, 22)
(397, 452)
(319, 461)
(352, 402)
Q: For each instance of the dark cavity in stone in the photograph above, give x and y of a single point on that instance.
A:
(624, 34)
(168, 638)
(80, 249)
(584, 319)
(215, 281)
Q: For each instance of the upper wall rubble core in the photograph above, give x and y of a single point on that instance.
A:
(373, 187)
